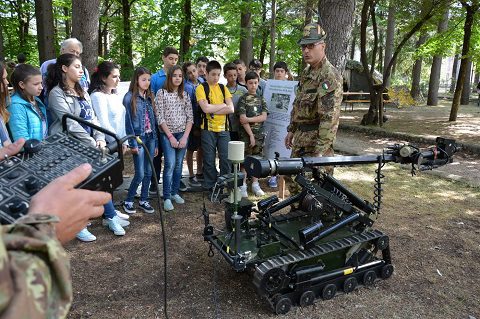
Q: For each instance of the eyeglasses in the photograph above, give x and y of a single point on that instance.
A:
(310, 45)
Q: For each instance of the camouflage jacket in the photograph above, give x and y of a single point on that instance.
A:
(35, 277)
(251, 106)
(317, 103)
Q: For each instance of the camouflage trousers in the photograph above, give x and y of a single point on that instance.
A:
(306, 144)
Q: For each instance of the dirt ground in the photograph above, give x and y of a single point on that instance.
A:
(434, 230)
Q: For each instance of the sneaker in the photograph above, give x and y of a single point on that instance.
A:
(272, 182)
(192, 181)
(199, 177)
(178, 199)
(86, 236)
(243, 191)
(145, 206)
(115, 227)
(257, 190)
(118, 220)
(183, 187)
(122, 215)
(167, 205)
(129, 208)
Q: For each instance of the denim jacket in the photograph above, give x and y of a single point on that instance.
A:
(135, 123)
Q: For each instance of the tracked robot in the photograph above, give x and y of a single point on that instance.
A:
(316, 243)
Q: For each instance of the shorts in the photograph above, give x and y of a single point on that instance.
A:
(195, 139)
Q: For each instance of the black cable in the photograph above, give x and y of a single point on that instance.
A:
(159, 202)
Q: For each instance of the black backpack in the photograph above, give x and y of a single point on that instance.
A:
(203, 115)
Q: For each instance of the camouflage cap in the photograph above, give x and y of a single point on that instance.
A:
(312, 33)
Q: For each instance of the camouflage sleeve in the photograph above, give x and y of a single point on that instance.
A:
(242, 105)
(329, 103)
(35, 277)
(292, 127)
(264, 106)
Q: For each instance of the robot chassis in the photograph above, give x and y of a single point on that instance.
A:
(326, 243)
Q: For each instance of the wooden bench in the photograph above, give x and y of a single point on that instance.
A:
(358, 100)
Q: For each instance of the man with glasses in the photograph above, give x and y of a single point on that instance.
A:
(316, 109)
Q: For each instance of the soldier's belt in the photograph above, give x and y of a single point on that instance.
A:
(308, 127)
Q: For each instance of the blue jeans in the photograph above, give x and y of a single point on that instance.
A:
(211, 142)
(143, 171)
(172, 165)
(109, 210)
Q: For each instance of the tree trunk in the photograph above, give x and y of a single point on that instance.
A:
(467, 85)
(380, 51)
(389, 39)
(187, 29)
(68, 29)
(127, 54)
(435, 71)
(246, 41)
(265, 32)
(337, 21)
(273, 34)
(2, 48)
(417, 70)
(453, 82)
(100, 40)
(44, 17)
(464, 62)
(353, 45)
(85, 16)
(477, 77)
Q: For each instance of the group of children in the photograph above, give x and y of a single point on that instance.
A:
(176, 111)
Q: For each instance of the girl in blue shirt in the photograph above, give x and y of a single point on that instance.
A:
(28, 117)
(140, 121)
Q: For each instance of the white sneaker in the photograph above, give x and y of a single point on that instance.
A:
(118, 220)
(257, 190)
(178, 199)
(122, 215)
(115, 227)
(86, 236)
(243, 191)
(167, 205)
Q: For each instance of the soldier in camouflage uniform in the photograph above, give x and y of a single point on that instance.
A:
(35, 280)
(316, 109)
(252, 111)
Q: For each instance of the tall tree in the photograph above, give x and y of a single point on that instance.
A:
(45, 32)
(186, 30)
(2, 48)
(264, 31)
(127, 46)
(246, 40)
(434, 83)
(68, 27)
(273, 35)
(467, 85)
(471, 9)
(389, 38)
(337, 20)
(417, 69)
(453, 81)
(22, 9)
(85, 16)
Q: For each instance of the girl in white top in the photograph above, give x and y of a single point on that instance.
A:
(106, 103)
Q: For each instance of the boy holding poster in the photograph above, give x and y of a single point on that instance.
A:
(252, 111)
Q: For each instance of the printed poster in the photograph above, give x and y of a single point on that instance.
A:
(279, 96)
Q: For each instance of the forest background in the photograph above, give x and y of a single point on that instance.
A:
(405, 40)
